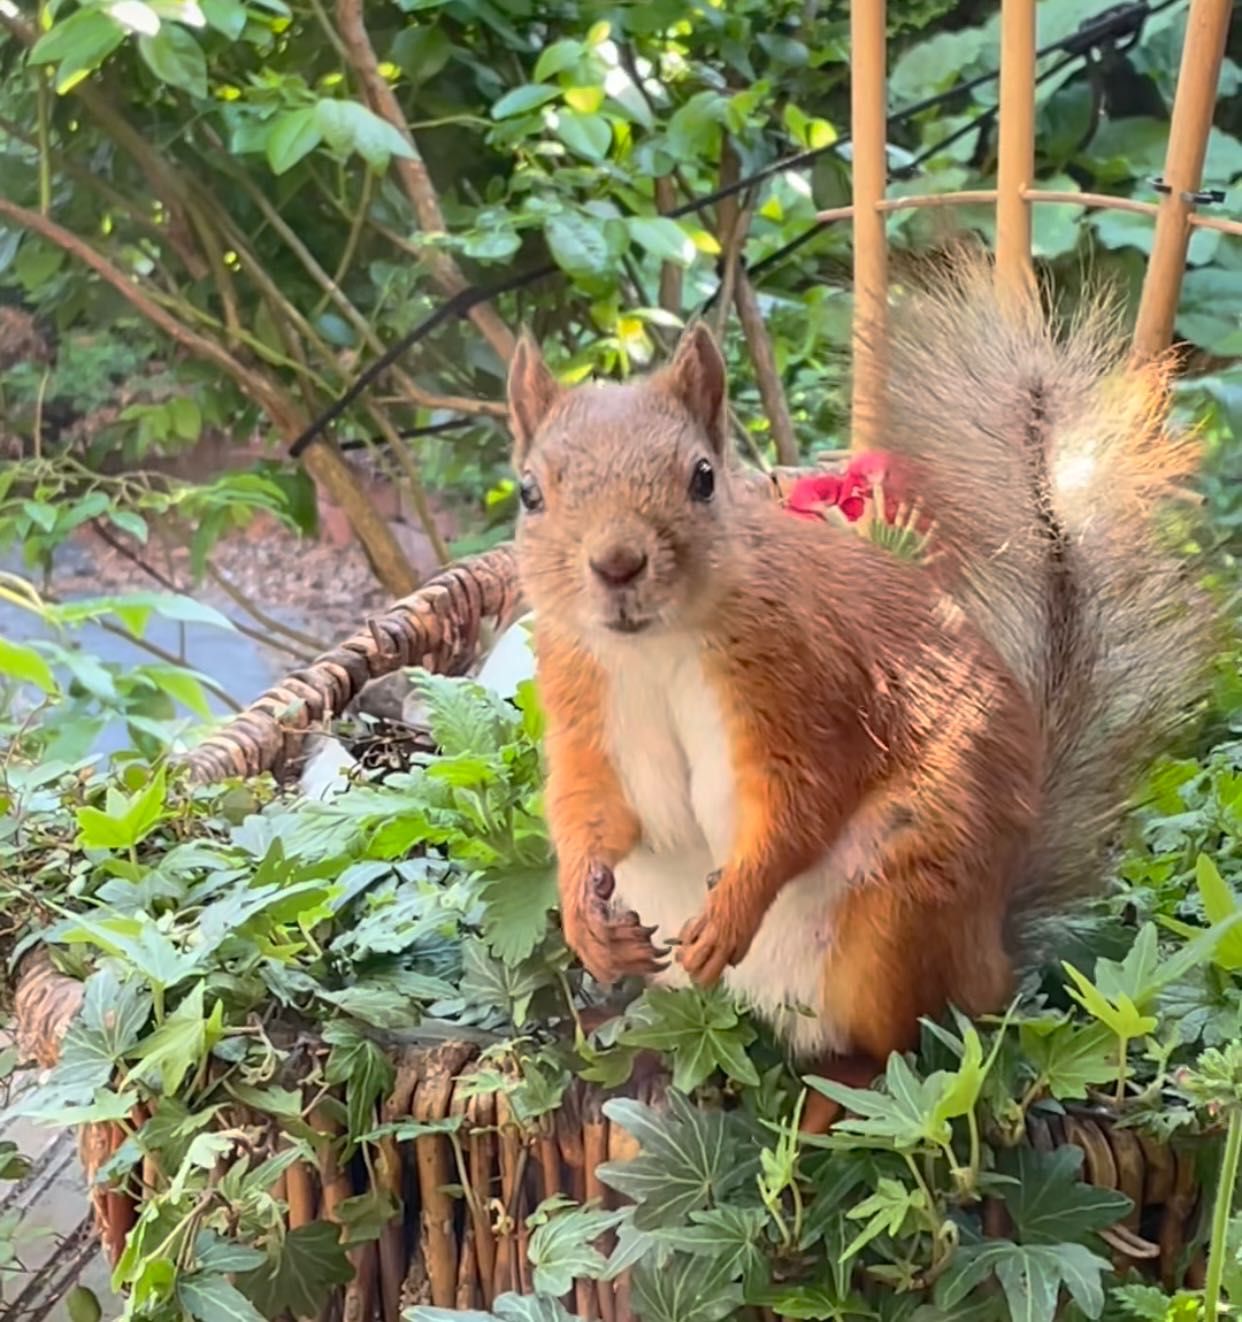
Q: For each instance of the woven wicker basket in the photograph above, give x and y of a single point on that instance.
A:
(457, 1253)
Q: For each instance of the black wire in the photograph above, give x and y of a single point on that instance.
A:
(1112, 24)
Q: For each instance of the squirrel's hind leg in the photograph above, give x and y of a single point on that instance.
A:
(903, 947)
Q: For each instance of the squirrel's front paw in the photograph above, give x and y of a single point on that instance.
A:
(713, 941)
(612, 946)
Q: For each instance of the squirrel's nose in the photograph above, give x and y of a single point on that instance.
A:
(619, 565)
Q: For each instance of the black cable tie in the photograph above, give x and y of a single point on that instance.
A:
(1204, 197)
(1110, 26)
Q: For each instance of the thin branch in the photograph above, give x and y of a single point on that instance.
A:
(315, 646)
(351, 241)
(412, 173)
(766, 374)
(670, 272)
(171, 585)
(171, 658)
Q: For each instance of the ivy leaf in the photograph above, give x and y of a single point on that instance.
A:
(222, 1258)
(701, 1030)
(905, 1118)
(730, 1234)
(563, 1250)
(1031, 1277)
(365, 1216)
(301, 1273)
(114, 1010)
(690, 1159)
(1049, 1204)
(516, 904)
(210, 1297)
(180, 1042)
(507, 1308)
(175, 58)
(1069, 1057)
(507, 987)
(366, 1071)
(885, 1211)
(687, 1289)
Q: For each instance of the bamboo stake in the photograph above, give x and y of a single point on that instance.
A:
(1207, 28)
(868, 113)
(1016, 164)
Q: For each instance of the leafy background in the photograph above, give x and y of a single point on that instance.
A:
(211, 221)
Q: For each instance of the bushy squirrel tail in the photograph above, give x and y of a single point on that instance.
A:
(1047, 459)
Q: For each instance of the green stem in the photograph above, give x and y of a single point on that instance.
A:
(1123, 1049)
(1220, 1214)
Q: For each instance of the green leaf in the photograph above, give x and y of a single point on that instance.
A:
(223, 1258)
(82, 1305)
(225, 16)
(701, 1030)
(556, 58)
(691, 1159)
(905, 1118)
(175, 58)
(662, 238)
(1031, 1277)
(211, 1298)
(1049, 1204)
(685, 1290)
(130, 522)
(588, 135)
(562, 1250)
(1070, 1057)
(517, 901)
(295, 134)
(366, 1215)
(301, 1274)
(184, 686)
(180, 1043)
(368, 1073)
(127, 822)
(522, 100)
(578, 244)
(350, 126)
(885, 1211)
(79, 44)
(25, 665)
(422, 51)
(134, 938)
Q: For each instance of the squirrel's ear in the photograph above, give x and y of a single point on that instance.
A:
(532, 392)
(697, 377)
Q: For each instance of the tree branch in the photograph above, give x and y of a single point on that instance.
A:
(323, 460)
(413, 174)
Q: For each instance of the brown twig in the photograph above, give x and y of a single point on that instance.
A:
(770, 389)
(311, 647)
(670, 272)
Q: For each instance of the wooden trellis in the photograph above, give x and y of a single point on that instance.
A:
(1175, 214)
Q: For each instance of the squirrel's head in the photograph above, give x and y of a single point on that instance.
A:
(625, 492)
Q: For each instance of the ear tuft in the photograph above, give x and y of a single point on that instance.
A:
(533, 390)
(697, 377)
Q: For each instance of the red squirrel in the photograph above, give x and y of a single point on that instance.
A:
(841, 780)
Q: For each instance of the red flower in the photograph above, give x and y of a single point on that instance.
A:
(848, 491)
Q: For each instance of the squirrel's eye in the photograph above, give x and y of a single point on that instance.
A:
(531, 496)
(702, 481)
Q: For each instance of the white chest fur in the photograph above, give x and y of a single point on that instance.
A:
(668, 742)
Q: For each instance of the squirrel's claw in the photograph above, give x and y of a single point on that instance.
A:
(707, 949)
(614, 946)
